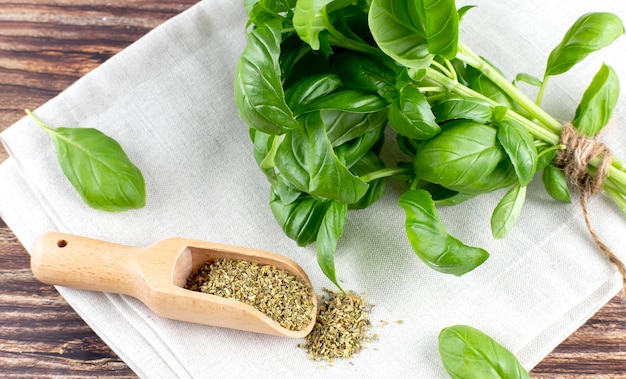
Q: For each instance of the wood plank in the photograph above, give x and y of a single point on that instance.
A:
(40, 334)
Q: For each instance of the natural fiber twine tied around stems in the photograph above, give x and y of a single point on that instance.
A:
(579, 151)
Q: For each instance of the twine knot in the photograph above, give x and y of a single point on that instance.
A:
(574, 159)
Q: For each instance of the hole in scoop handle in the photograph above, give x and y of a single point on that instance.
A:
(84, 263)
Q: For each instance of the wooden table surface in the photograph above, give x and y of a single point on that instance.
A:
(46, 45)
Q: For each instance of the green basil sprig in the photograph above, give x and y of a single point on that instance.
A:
(97, 167)
(591, 32)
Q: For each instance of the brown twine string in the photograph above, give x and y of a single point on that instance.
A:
(579, 150)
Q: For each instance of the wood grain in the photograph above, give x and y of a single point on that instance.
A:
(46, 45)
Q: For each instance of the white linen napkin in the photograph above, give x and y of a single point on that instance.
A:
(168, 100)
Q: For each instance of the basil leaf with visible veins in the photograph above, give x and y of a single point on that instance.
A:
(98, 168)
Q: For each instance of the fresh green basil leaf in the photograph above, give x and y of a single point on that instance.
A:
(591, 32)
(430, 239)
(519, 146)
(370, 162)
(501, 177)
(463, 108)
(350, 20)
(306, 158)
(310, 19)
(499, 113)
(545, 155)
(297, 61)
(467, 352)
(285, 190)
(598, 102)
(403, 77)
(440, 22)
(262, 145)
(464, 153)
(397, 33)
(309, 89)
(352, 151)
(407, 145)
(363, 73)
(461, 71)
(507, 211)
(412, 32)
(292, 51)
(325, 43)
(342, 127)
(455, 199)
(555, 183)
(97, 167)
(299, 219)
(328, 236)
(258, 91)
(308, 22)
(264, 150)
(248, 4)
(483, 85)
(425, 230)
(260, 11)
(444, 196)
(348, 101)
(416, 74)
(411, 116)
(528, 79)
(463, 11)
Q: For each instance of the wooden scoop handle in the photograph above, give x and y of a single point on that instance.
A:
(84, 263)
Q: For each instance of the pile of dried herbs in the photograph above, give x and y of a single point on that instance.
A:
(341, 327)
(280, 295)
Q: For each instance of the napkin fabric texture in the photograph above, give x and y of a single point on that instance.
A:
(168, 100)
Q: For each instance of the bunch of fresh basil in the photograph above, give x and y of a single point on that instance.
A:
(320, 81)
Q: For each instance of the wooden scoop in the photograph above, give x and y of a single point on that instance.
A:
(157, 274)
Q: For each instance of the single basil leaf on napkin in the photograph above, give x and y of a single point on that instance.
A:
(468, 353)
(98, 168)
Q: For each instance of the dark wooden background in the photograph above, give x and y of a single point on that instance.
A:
(46, 45)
